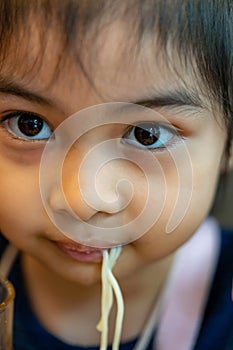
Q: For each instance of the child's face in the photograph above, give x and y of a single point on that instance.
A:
(23, 219)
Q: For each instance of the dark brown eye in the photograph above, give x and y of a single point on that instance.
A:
(27, 126)
(146, 137)
(30, 125)
(150, 135)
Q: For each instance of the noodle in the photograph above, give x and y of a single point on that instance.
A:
(110, 285)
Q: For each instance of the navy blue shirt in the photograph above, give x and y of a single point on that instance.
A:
(216, 331)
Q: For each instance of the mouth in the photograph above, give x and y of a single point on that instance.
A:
(80, 252)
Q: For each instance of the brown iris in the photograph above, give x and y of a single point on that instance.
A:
(146, 135)
(30, 125)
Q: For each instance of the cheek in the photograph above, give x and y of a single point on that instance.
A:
(20, 203)
(186, 205)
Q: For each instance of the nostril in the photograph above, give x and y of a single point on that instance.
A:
(56, 200)
(108, 195)
(68, 204)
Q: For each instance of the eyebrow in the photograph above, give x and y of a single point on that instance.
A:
(173, 98)
(7, 86)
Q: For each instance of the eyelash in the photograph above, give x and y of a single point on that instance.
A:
(152, 129)
(15, 116)
(152, 132)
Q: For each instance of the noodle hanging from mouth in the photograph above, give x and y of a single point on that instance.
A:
(110, 286)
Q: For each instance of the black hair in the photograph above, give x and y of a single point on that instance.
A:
(200, 31)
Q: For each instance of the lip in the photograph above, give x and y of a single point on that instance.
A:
(80, 252)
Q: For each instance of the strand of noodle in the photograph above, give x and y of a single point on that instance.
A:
(108, 285)
(120, 311)
(113, 256)
(106, 302)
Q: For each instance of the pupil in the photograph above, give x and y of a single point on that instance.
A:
(145, 137)
(30, 125)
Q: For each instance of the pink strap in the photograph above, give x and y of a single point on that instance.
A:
(188, 289)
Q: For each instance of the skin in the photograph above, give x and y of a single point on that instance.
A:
(70, 289)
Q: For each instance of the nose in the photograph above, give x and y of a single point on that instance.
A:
(90, 185)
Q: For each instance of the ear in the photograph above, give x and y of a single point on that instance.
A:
(227, 161)
(230, 159)
(230, 162)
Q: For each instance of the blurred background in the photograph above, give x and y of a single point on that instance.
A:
(223, 205)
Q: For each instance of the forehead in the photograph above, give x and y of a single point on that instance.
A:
(114, 66)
